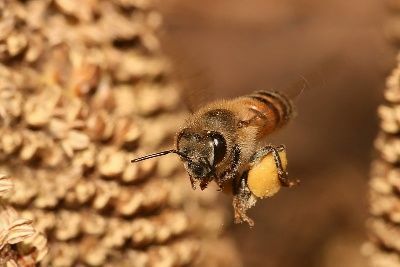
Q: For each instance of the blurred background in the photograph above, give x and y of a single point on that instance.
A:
(228, 48)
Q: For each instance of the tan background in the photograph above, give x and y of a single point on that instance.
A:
(231, 47)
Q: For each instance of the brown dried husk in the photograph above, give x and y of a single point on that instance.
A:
(84, 88)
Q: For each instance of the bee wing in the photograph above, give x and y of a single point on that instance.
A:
(192, 80)
(312, 79)
(252, 118)
(194, 92)
(297, 88)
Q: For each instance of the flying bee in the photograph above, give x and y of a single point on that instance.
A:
(224, 140)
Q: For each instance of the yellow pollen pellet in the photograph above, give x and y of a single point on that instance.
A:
(263, 180)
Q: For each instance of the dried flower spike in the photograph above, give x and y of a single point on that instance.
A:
(383, 248)
(70, 122)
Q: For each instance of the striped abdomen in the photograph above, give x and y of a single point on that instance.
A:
(272, 110)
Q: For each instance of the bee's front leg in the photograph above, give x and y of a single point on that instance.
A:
(282, 174)
(243, 200)
(231, 172)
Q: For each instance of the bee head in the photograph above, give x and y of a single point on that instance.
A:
(202, 151)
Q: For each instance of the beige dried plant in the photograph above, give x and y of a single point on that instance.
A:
(383, 226)
(84, 88)
(383, 248)
(20, 244)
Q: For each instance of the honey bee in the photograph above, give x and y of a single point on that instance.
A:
(225, 139)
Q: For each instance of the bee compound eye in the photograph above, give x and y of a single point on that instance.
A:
(219, 145)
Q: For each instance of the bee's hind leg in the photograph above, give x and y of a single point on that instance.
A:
(282, 174)
(243, 200)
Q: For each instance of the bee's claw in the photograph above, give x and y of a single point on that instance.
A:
(240, 212)
(289, 183)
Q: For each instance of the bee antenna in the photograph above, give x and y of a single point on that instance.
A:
(159, 154)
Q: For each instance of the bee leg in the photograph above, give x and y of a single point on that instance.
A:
(242, 200)
(282, 174)
(232, 172)
(192, 182)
